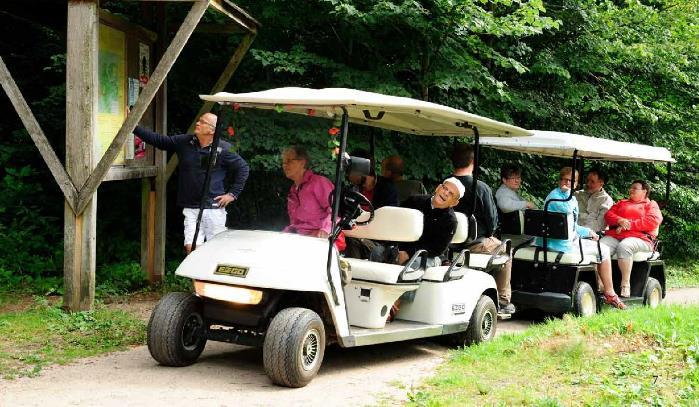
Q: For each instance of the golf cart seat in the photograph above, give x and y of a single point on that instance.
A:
(643, 256)
(460, 236)
(554, 225)
(375, 286)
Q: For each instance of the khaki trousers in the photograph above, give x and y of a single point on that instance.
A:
(492, 245)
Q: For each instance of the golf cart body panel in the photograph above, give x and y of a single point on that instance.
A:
(551, 286)
(373, 109)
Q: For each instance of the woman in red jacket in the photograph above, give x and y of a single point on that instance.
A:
(633, 225)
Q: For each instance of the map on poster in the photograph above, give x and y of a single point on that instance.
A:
(111, 99)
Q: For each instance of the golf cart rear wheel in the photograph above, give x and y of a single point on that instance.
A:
(294, 347)
(176, 330)
(584, 300)
(481, 327)
(653, 295)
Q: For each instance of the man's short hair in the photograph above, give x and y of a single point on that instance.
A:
(509, 170)
(300, 153)
(600, 174)
(394, 164)
(462, 155)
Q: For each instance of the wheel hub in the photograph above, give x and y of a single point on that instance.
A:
(654, 299)
(191, 331)
(309, 349)
(587, 304)
(487, 324)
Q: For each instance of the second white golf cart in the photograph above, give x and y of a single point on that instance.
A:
(559, 282)
(294, 294)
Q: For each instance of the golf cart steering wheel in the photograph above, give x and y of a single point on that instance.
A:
(357, 199)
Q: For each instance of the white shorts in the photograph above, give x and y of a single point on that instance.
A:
(590, 247)
(626, 248)
(213, 222)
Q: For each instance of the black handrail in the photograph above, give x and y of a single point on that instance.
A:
(546, 206)
(213, 153)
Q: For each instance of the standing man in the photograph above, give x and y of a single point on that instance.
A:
(594, 201)
(194, 152)
(486, 216)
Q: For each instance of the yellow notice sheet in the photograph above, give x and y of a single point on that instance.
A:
(111, 100)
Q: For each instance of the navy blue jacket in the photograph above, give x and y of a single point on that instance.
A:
(193, 164)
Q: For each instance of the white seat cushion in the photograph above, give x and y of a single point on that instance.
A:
(461, 233)
(381, 272)
(437, 273)
(642, 256)
(392, 224)
(480, 260)
(527, 253)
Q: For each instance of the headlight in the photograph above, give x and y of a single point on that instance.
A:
(227, 293)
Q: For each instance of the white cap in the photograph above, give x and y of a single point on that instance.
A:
(458, 185)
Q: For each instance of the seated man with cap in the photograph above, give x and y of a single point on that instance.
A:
(439, 221)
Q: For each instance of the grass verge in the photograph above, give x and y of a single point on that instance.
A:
(44, 335)
(682, 274)
(639, 357)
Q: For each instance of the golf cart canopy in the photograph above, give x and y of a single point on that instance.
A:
(557, 144)
(372, 109)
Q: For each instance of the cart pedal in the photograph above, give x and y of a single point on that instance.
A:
(504, 316)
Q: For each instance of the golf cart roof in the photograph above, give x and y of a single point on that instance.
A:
(372, 109)
(557, 144)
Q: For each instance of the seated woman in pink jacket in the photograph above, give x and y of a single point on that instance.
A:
(308, 202)
(633, 225)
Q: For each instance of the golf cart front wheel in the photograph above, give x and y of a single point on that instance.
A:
(294, 347)
(584, 300)
(482, 325)
(653, 294)
(176, 330)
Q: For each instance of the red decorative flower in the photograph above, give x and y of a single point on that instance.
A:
(231, 131)
(236, 107)
(311, 112)
(333, 131)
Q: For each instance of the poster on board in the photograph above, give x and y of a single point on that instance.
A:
(111, 99)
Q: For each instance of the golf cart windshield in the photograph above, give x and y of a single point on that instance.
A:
(372, 109)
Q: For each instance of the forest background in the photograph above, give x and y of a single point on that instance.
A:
(624, 70)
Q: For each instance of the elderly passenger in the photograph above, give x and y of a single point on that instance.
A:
(571, 245)
(633, 225)
(594, 201)
(507, 197)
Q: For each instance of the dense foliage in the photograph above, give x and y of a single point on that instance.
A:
(626, 70)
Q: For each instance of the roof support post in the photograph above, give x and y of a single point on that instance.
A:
(81, 122)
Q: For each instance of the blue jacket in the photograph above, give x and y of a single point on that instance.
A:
(571, 206)
(193, 164)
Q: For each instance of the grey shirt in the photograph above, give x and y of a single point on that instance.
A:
(593, 207)
(509, 200)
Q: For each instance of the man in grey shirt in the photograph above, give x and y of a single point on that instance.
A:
(507, 196)
(594, 201)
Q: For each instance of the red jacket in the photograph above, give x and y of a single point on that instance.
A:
(645, 219)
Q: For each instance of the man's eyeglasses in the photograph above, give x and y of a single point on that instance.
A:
(200, 121)
(515, 178)
(448, 192)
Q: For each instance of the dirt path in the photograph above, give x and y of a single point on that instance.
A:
(231, 375)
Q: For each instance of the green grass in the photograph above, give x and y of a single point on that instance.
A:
(682, 274)
(45, 335)
(638, 357)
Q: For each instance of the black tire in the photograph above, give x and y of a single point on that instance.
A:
(294, 347)
(481, 326)
(176, 330)
(653, 294)
(584, 300)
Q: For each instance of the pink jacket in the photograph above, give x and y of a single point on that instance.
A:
(645, 219)
(308, 205)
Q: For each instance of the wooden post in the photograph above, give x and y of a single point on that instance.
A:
(218, 87)
(81, 124)
(155, 189)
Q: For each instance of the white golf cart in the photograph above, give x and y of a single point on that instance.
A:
(558, 282)
(294, 294)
